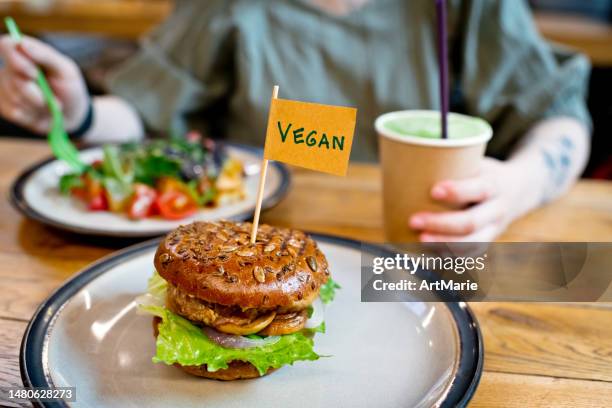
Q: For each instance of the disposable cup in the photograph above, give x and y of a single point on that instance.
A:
(412, 164)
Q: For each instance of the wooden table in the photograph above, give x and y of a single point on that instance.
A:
(591, 37)
(114, 18)
(535, 354)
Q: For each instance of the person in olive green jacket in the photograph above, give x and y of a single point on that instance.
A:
(211, 66)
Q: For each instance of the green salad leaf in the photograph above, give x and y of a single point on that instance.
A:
(111, 164)
(180, 341)
(328, 291)
(311, 332)
(309, 311)
(69, 181)
(149, 168)
(157, 286)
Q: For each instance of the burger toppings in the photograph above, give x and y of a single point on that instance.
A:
(238, 342)
(316, 315)
(228, 319)
(328, 291)
(182, 341)
(234, 320)
(251, 328)
(285, 324)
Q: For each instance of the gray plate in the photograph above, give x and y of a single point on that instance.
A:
(88, 335)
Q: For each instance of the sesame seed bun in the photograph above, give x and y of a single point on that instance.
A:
(215, 262)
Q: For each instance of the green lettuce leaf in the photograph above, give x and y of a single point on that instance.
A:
(69, 181)
(154, 297)
(311, 332)
(180, 341)
(157, 286)
(328, 291)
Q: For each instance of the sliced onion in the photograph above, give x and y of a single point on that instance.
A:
(237, 342)
(318, 314)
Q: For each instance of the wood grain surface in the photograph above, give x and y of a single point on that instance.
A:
(114, 18)
(536, 354)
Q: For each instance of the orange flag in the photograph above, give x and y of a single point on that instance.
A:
(310, 135)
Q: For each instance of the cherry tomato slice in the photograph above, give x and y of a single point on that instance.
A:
(98, 202)
(175, 205)
(80, 193)
(92, 193)
(141, 203)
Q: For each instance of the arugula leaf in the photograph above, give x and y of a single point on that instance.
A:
(208, 196)
(151, 167)
(328, 291)
(69, 181)
(112, 166)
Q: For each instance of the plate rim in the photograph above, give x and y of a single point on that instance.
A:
(19, 202)
(31, 363)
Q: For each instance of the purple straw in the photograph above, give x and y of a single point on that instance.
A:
(443, 64)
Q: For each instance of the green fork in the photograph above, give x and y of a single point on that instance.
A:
(58, 139)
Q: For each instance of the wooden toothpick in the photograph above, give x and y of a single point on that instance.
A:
(262, 182)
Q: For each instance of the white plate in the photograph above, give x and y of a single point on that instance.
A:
(35, 193)
(87, 335)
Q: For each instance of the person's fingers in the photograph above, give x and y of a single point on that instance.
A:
(22, 94)
(29, 93)
(7, 91)
(463, 192)
(15, 109)
(46, 56)
(16, 114)
(15, 61)
(486, 234)
(462, 222)
(28, 119)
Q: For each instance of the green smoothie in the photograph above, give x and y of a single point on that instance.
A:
(428, 126)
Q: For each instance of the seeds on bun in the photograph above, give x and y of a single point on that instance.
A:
(216, 263)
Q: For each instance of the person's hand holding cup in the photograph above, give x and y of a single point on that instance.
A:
(486, 206)
(434, 189)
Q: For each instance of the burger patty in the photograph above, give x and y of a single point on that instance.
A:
(233, 319)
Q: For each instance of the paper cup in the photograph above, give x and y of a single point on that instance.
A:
(412, 164)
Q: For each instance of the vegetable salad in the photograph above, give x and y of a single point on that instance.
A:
(167, 178)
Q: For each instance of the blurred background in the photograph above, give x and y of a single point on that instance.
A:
(100, 34)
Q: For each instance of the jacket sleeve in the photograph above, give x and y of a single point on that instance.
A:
(181, 67)
(513, 78)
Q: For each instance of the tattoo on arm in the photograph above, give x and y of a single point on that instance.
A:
(558, 160)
